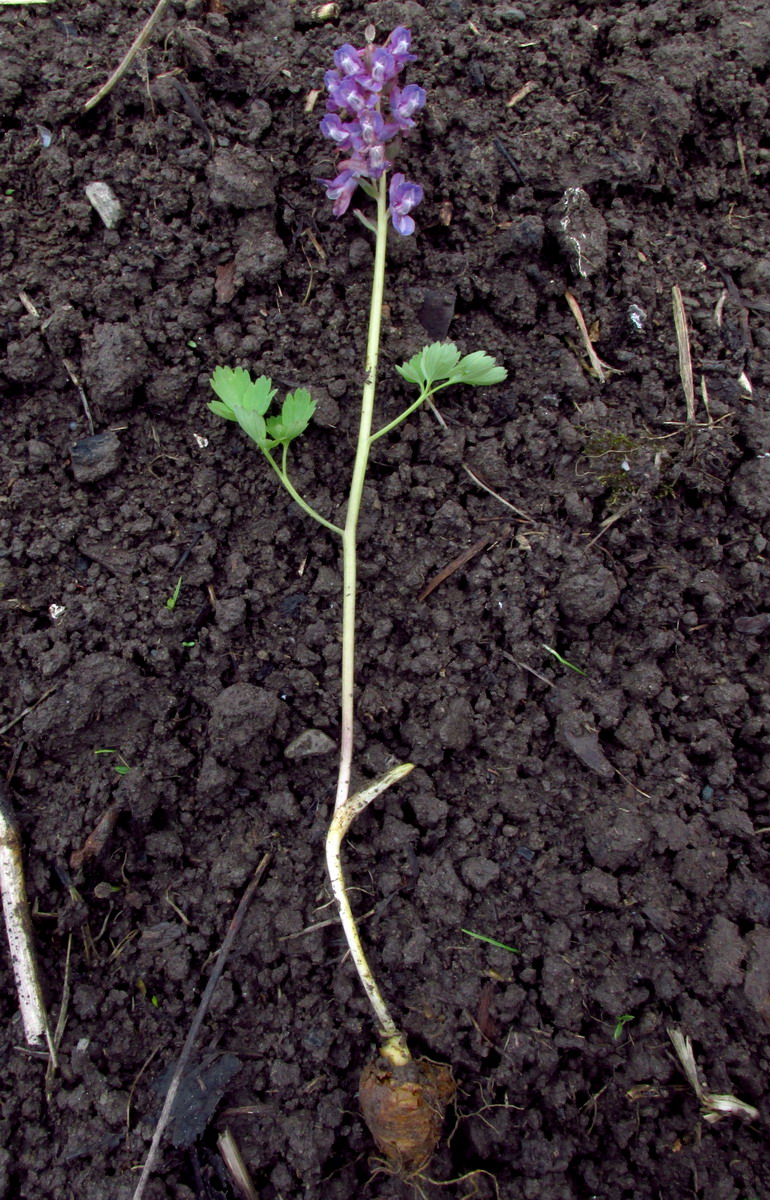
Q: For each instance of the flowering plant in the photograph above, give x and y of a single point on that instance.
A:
(368, 112)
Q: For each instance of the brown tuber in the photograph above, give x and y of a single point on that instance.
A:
(404, 1107)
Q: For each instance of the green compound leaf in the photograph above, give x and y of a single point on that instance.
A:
(236, 389)
(433, 364)
(479, 370)
(441, 363)
(298, 408)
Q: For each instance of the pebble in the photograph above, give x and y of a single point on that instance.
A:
(308, 743)
(95, 457)
(102, 198)
(750, 488)
(589, 595)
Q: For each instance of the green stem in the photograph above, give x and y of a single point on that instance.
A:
(427, 395)
(282, 474)
(401, 417)
(350, 533)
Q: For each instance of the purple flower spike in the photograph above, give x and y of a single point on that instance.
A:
(404, 196)
(361, 126)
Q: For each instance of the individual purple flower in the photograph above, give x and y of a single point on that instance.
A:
(398, 44)
(342, 133)
(382, 69)
(347, 96)
(403, 196)
(348, 60)
(405, 102)
(340, 190)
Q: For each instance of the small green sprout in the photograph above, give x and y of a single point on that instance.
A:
(564, 662)
(122, 767)
(626, 1017)
(187, 645)
(192, 345)
(481, 937)
(171, 602)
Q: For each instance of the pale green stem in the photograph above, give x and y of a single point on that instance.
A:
(350, 533)
(401, 417)
(412, 407)
(282, 474)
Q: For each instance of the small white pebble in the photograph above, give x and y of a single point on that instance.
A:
(55, 611)
(103, 199)
(202, 441)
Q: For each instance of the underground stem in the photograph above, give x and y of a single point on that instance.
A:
(393, 1046)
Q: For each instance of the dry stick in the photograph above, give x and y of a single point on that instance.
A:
(25, 712)
(70, 369)
(133, 50)
(236, 1167)
(477, 479)
(522, 93)
(683, 346)
(456, 563)
(184, 1057)
(18, 925)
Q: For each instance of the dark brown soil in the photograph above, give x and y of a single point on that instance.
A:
(612, 825)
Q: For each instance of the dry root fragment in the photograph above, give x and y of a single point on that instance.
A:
(404, 1107)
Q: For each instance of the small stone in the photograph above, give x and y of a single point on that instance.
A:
(723, 953)
(600, 887)
(588, 595)
(750, 488)
(114, 365)
(512, 16)
(95, 457)
(309, 743)
(479, 872)
(230, 613)
(241, 178)
(572, 732)
(454, 727)
(525, 236)
(102, 198)
(615, 837)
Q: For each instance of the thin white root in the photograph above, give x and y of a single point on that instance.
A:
(394, 1046)
(18, 925)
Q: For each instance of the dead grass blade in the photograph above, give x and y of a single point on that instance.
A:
(601, 369)
(683, 346)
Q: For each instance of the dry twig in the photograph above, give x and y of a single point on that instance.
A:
(141, 40)
(203, 1007)
(600, 368)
